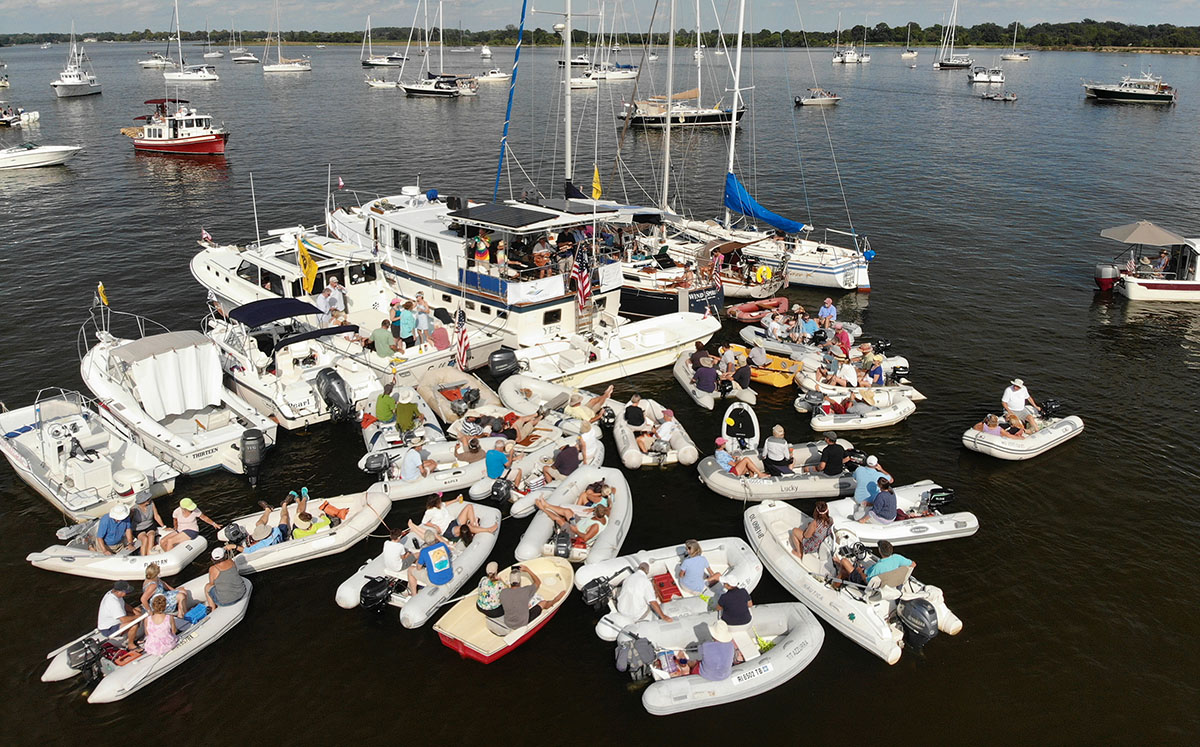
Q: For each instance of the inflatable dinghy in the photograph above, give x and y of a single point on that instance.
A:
(601, 582)
(871, 409)
(92, 652)
(893, 610)
(806, 380)
(725, 389)
(779, 372)
(679, 449)
(755, 335)
(1051, 432)
(781, 640)
(752, 312)
(919, 517)
(416, 610)
(451, 392)
(526, 395)
(78, 559)
(378, 436)
(474, 636)
(537, 540)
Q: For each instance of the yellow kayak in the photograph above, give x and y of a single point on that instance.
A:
(779, 372)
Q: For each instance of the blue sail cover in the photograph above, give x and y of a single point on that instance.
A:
(739, 200)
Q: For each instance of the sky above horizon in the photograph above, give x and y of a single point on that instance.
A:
(37, 16)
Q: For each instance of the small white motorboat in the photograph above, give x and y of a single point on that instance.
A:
(985, 75)
(450, 474)
(382, 83)
(363, 512)
(1052, 431)
(870, 409)
(77, 78)
(93, 653)
(80, 461)
(75, 556)
(485, 52)
(601, 582)
(678, 449)
(168, 389)
(30, 155)
(373, 587)
(284, 371)
(818, 97)
(494, 75)
(451, 392)
(725, 389)
(617, 351)
(156, 61)
(894, 610)
(538, 539)
(919, 517)
(192, 74)
(781, 641)
(475, 636)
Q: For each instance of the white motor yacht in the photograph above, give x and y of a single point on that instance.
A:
(30, 155)
(156, 61)
(485, 52)
(495, 74)
(77, 78)
(283, 371)
(81, 462)
(985, 75)
(168, 389)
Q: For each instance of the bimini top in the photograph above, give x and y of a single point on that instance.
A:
(1143, 232)
(522, 219)
(258, 313)
(315, 334)
(152, 345)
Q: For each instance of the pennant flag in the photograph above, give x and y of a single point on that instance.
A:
(341, 184)
(100, 294)
(461, 343)
(205, 235)
(595, 182)
(308, 265)
(581, 271)
(572, 192)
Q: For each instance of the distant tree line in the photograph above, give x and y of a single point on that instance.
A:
(1082, 34)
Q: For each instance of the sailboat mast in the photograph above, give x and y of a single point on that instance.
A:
(178, 36)
(567, 170)
(666, 185)
(441, 37)
(737, 92)
(699, 57)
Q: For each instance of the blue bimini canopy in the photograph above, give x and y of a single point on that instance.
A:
(739, 200)
(258, 313)
(315, 334)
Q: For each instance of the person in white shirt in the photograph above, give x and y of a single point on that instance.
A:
(777, 453)
(326, 304)
(1018, 403)
(758, 356)
(395, 553)
(662, 432)
(115, 612)
(635, 598)
(775, 328)
(338, 294)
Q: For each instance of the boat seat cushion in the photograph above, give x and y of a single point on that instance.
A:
(497, 627)
(572, 357)
(744, 642)
(92, 440)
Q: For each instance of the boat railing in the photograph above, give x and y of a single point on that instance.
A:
(100, 322)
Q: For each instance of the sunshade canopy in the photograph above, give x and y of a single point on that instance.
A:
(1143, 232)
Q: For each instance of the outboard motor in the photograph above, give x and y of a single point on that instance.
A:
(470, 395)
(234, 534)
(502, 490)
(938, 498)
(127, 483)
(254, 450)
(608, 417)
(810, 401)
(898, 374)
(724, 387)
(86, 656)
(919, 619)
(659, 450)
(503, 363)
(335, 393)
(376, 592)
(1050, 407)
(598, 591)
(819, 337)
(377, 464)
(881, 346)
(857, 458)
(459, 407)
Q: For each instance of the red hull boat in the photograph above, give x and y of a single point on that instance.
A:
(754, 311)
(180, 132)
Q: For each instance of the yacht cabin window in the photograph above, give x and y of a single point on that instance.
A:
(428, 251)
(553, 316)
(367, 272)
(272, 282)
(248, 271)
(401, 242)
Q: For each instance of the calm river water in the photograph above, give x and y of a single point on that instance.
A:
(1079, 616)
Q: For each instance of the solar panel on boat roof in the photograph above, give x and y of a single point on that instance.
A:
(502, 215)
(576, 208)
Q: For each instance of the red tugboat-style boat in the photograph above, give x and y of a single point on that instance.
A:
(177, 129)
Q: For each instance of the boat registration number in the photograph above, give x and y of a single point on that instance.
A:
(758, 671)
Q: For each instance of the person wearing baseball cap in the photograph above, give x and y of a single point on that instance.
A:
(116, 612)
(114, 530)
(490, 586)
(833, 457)
(866, 481)
(1018, 403)
(186, 521)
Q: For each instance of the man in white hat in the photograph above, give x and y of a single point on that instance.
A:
(408, 415)
(1018, 403)
(866, 481)
(114, 530)
(714, 659)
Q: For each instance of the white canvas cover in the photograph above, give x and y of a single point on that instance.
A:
(176, 375)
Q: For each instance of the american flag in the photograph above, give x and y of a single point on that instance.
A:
(205, 235)
(582, 273)
(1130, 266)
(461, 343)
(717, 260)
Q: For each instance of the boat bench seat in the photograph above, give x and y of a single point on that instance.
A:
(572, 357)
(92, 440)
(744, 643)
(213, 419)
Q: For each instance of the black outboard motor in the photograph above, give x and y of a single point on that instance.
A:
(857, 459)
(470, 395)
(503, 363)
(819, 337)
(598, 591)
(336, 394)
(608, 417)
(234, 534)
(938, 498)
(376, 592)
(254, 450)
(920, 622)
(377, 463)
(86, 656)
(810, 401)
(898, 374)
(725, 387)
(502, 490)
(881, 346)
(1050, 407)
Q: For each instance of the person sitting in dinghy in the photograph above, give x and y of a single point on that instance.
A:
(882, 506)
(566, 461)
(808, 539)
(1018, 402)
(699, 354)
(499, 460)
(635, 416)
(416, 464)
(583, 527)
(264, 534)
(153, 587)
(833, 457)
(515, 600)
(705, 377)
(713, 659)
(875, 373)
(406, 412)
(635, 597)
(114, 531)
(116, 611)
(662, 432)
(449, 526)
(739, 466)
(777, 453)
(588, 412)
(695, 574)
(758, 356)
(827, 314)
(472, 453)
(146, 521)
(433, 565)
(991, 426)
(889, 560)
(225, 584)
(186, 519)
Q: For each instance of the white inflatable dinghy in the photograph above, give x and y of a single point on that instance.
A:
(451, 392)
(754, 335)
(537, 540)
(1051, 432)
(678, 449)
(526, 395)
(365, 511)
(78, 559)
(416, 610)
(729, 556)
(740, 426)
(919, 517)
(779, 643)
(475, 636)
(118, 682)
(891, 611)
(808, 383)
(870, 409)
(683, 374)
(378, 436)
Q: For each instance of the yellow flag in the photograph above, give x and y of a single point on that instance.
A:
(595, 182)
(308, 266)
(100, 294)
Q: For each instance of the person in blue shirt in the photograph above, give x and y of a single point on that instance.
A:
(889, 560)
(695, 575)
(264, 534)
(866, 481)
(433, 565)
(827, 314)
(114, 530)
(883, 505)
(807, 326)
(498, 459)
(735, 465)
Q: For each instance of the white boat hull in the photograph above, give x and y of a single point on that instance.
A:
(683, 371)
(1054, 433)
(909, 531)
(607, 543)
(128, 565)
(43, 155)
(69, 90)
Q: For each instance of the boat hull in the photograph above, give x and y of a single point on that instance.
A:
(1101, 93)
(72, 90)
(37, 158)
(653, 303)
(720, 118)
(1159, 290)
(205, 145)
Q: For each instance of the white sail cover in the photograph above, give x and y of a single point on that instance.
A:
(173, 373)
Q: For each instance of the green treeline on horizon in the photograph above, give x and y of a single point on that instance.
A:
(1082, 34)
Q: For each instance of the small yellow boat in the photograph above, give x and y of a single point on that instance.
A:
(779, 372)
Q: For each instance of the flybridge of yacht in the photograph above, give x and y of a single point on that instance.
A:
(527, 218)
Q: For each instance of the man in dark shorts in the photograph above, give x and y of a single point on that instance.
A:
(516, 598)
(566, 461)
(833, 457)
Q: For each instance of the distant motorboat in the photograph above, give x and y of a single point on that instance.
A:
(1142, 89)
(485, 52)
(156, 61)
(30, 155)
(495, 74)
(985, 75)
(77, 78)
(818, 97)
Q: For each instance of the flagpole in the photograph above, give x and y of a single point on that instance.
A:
(254, 203)
(328, 176)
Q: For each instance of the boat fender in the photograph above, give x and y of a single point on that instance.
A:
(763, 274)
(254, 449)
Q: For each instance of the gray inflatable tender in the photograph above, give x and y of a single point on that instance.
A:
(1053, 432)
(794, 634)
(783, 487)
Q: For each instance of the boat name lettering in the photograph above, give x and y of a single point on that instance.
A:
(918, 529)
(13, 454)
(747, 676)
(202, 454)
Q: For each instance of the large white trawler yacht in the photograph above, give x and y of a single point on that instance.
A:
(237, 275)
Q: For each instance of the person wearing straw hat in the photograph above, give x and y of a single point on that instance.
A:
(713, 659)
(408, 415)
(705, 376)
(1018, 403)
(114, 530)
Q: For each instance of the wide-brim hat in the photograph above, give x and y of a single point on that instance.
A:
(720, 631)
